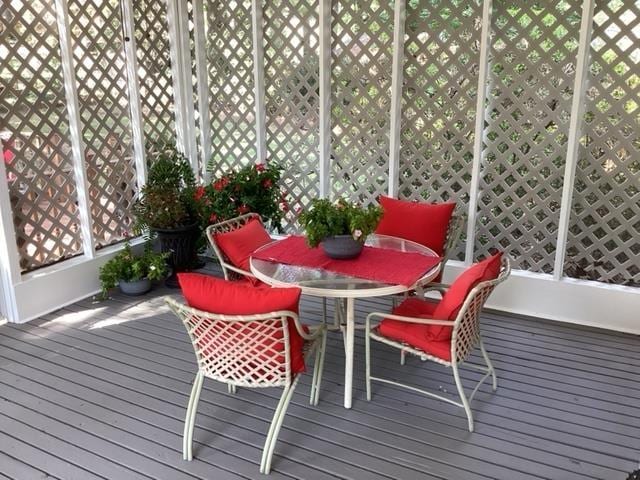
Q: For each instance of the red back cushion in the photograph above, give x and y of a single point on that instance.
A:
(214, 295)
(238, 245)
(424, 223)
(454, 298)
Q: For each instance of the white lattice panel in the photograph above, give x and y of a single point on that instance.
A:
(99, 62)
(604, 233)
(154, 70)
(232, 100)
(361, 56)
(441, 52)
(531, 73)
(291, 48)
(34, 132)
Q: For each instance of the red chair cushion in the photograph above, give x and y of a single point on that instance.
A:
(214, 295)
(416, 335)
(454, 297)
(239, 244)
(424, 223)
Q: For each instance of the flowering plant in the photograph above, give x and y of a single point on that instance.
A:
(254, 188)
(326, 219)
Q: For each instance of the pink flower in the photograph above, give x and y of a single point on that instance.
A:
(260, 167)
(220, 183)
(213, 217)
(243, 209)
(267, 183)
(199, 193)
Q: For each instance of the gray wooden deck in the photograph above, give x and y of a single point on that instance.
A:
(98, 390)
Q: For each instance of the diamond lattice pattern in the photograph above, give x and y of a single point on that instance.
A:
(361, 56)
(232, 101)
(291, 45)
(441, 52)
(99, 61)
(154, 72)
(35, 135)
(532, 68)
(604, 232)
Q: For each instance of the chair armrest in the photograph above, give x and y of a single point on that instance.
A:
(437, 287)
(316, 332)
(402, 318)
(238, 270)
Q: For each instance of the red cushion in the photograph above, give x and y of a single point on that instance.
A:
(238, 245)
(214, 295)
(417, 336)
(424, 223)
(454, 297)
(419, 308)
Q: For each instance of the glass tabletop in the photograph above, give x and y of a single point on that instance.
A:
(316, 281)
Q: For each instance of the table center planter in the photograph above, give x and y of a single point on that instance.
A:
(342, 247)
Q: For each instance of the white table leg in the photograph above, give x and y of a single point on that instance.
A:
(348, 362)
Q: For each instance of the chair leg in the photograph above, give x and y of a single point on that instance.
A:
(367, 358)
(274, 429)
(403, 356)
(463, 397)
(318, 367)
(324, 310)
(494, 378)
(231, 389)
(190, 419)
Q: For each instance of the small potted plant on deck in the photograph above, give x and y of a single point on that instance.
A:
(341, 227)
(133, 273)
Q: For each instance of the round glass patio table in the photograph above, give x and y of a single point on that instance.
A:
(323, 283)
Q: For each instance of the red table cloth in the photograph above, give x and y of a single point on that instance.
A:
(379, 264)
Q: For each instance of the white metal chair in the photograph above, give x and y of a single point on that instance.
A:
(231, 272)
(248, 351)
(465, 337)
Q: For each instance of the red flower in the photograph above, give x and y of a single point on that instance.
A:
(213, 217)
(243, 209)
(284, 206)
(267, 183)
(220, 183)
(259, 167)
(199, 193)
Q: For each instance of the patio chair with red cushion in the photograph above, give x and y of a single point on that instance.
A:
(247, 337)
(434, 225)
(233, 242)
(445, 332)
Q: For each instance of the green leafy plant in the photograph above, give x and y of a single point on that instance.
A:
(167, 199)
(128, 267)
(254, 188)
(326, 219)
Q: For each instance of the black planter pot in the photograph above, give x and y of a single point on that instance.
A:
(181, 243)
(341, 247)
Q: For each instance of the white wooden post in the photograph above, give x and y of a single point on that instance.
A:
(202, 74)
(325, 98)
(9, 260)
(474, 188)
(258, 80)
(573, 143)
(133, 86)
(75, 129)
(396, 97)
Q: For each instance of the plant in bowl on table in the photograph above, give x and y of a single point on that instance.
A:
(341, 227)
(133, 273)
(253, 188)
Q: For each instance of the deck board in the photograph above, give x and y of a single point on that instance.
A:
(98, 390)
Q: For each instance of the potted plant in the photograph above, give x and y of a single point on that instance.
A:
(341, 227)
(253, 188)
(167, 207)
(133, 273)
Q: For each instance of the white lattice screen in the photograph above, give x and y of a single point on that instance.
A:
(156, 80)
(291, 48)
(441, 53)
(361, 56)
(604, 233)
(35, 135)
(100, 68)
(532, 67)
(231, 84)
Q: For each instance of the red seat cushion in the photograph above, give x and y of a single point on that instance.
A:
(417, 336)
(239, 244)
(454, 297)
(424, 223)
(214, 295)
